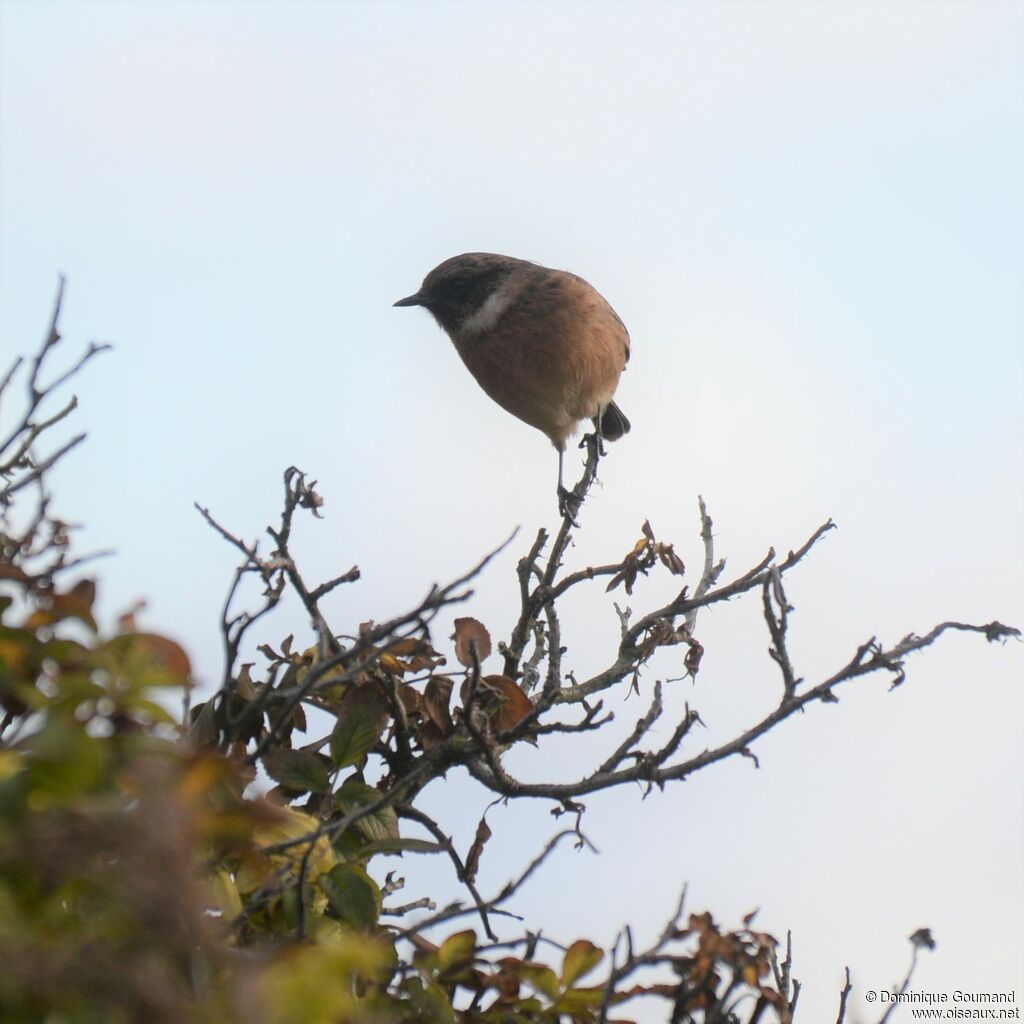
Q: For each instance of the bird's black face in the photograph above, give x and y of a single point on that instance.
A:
(457, 288)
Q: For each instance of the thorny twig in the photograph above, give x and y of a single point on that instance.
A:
(40, 544)
(534, 653)
(921, 939)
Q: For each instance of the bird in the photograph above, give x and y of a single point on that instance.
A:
(544, 344)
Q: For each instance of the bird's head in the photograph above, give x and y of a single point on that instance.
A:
(458, 288)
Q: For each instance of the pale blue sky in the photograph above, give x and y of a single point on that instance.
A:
(811, 218)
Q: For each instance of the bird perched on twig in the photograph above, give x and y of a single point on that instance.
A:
(543, 343)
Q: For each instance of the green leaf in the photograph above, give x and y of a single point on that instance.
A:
(580, 958)
(429, 1002)
(542, 978)
(456, 949)
(353, 894)
(64, 762)
(377, 827)
(578, 1000)
(297, 769)
(362, 716)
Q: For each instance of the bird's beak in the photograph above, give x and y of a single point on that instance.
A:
(411, 300)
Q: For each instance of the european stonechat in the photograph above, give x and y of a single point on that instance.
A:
(543, 343)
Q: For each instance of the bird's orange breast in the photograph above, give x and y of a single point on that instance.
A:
(547, 348)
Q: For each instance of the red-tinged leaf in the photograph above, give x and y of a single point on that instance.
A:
(436, 702)
(75, 603)
(515, 707)
(166, 653)
(299, 770)
(84, 593)
(506, 980)
(580, 958)
(362, 716)
(470, 632)
(483, 833)
(456, 950)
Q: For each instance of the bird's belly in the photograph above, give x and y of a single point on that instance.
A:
(541, 384)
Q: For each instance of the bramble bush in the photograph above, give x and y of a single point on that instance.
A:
(228, 867)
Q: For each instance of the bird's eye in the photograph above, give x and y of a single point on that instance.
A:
(455, 288)
(460, 289)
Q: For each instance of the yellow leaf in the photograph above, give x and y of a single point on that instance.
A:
(223, 894)
(580, 958)
(456, 949)
(10, 764)
(391, 664)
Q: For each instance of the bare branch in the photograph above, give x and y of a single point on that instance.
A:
(843, 996)
(405, 811)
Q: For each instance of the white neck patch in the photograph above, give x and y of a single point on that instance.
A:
(491, 310)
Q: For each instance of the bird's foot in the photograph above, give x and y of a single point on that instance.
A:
(595, 440)
(569, 503)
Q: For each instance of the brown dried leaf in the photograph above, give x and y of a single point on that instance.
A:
(412, 700)
(126, 620)
(671, 560)
(437, 701)
(469, 631)
(429, 735)
(75, 603)
(483, 833)
(515, 707)
(692, 659)
(269, 653)
(244, 686)
(416, 654)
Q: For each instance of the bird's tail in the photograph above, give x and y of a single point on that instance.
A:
(613, 423)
